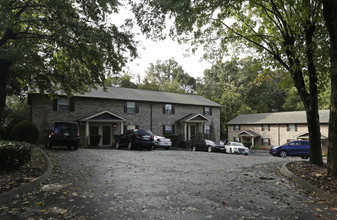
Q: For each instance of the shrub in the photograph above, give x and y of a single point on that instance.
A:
(94, 139)
(25, 131)
(8, 130)
(14, 154)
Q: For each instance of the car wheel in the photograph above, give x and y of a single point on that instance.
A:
(130, 146)
(117, 146)
(231, 151)
(194, 148)
(209, 149)
(50, 145)
(75, 146)
(283, 154)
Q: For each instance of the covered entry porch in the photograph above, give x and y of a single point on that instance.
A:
(193, 126)
(100, 128)
(247, 138)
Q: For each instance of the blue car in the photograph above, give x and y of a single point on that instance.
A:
(293, 148)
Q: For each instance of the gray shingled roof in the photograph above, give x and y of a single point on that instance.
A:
(296, 117)
(148, 96)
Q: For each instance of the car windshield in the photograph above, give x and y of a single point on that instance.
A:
(66, 126)
(210, 142)
(237, 144)
(144, 132)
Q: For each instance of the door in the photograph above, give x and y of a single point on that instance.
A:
(106, 135)
(191, 131)
(94, 135)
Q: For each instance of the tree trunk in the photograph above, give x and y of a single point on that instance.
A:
(4, 75)
(329, 11)
(312, 109)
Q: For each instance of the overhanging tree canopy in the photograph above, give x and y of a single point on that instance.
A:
(59, 45)
(282, 33)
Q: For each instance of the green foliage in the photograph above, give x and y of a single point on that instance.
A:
(168, 76)
(14, 154)
(242, 87)
(123, 81)
(59, 46)
(16, 111)
(283, 34)
(25, 131)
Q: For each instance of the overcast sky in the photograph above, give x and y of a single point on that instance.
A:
(150, 51)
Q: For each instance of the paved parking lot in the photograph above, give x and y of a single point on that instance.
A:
(122, 184)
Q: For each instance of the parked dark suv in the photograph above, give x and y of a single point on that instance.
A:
(63, 134)
(136, 139)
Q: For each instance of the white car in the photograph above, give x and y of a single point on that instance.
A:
(236, 148)
(162, 142)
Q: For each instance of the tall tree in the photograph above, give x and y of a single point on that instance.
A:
(59, 45)
(284, 34)
(168, 76)
(123, 81)
(242, 87)
(330, 8)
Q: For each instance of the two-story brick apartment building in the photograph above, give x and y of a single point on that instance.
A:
(274, 129)
(112, 111)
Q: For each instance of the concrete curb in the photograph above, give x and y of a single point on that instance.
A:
(306, 185)
(27, 187)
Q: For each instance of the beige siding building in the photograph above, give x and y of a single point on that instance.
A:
(110, 112)
(273, 129)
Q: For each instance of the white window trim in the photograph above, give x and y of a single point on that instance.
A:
(168, 109)
(62, 101)
(207, 129)
(131, 106)
(170, 130)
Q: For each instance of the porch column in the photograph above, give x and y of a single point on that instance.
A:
(185, 131)
(122, 127)
(87, 130)
(253, 138)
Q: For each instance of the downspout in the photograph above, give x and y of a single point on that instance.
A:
(151, 116)
(278, 127)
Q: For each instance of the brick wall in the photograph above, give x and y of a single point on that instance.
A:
(43, 115)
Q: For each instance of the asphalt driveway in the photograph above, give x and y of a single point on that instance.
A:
(122, 184)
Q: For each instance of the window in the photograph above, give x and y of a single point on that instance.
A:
(207, 129)
(265, 127)
(168, 109)
(131, 107)
(292, 127)
(265, 141)
(236, 127)
(236, 139)
(168, 129)
(63, 104)
(207, 110)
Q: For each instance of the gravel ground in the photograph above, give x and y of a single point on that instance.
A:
(112, 184)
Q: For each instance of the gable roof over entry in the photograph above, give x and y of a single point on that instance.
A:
(104, 116)
(193, 118)
(248, 133)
